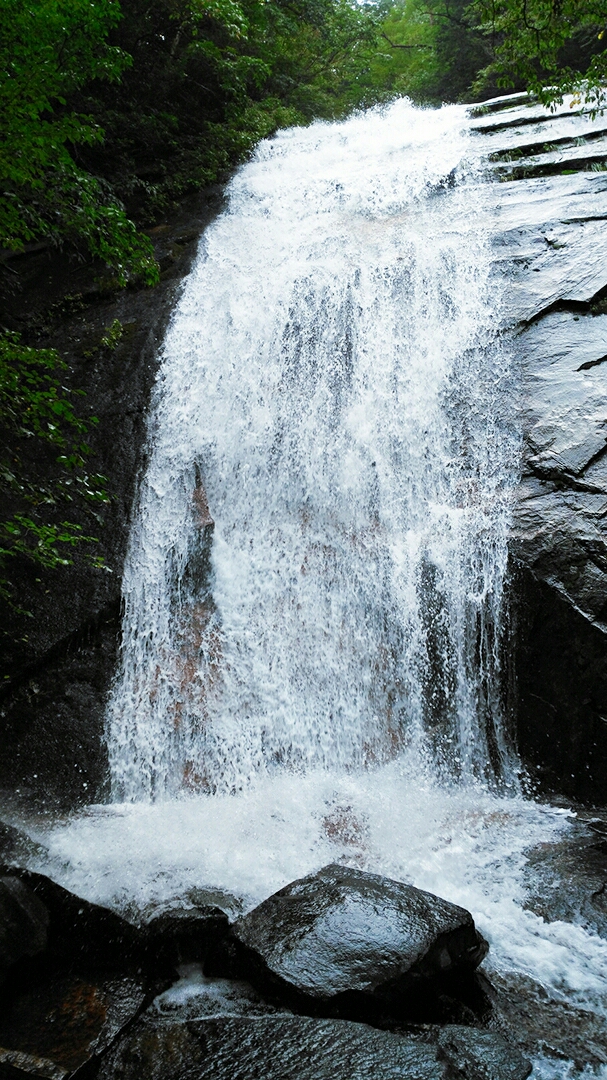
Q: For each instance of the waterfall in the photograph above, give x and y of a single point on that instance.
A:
(314, 607)
(316, 568)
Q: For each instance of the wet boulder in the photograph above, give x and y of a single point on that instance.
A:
(195, 997)
(283, 1047)
(54, 1027)
(275, 1048)
(346, 942)
(24, 921)
(79, 930)
(484, 1055)
(79, 973)
(16, 846)
(183, 929)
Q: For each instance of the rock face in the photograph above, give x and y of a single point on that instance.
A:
(300, 1048)
(551, 248)
(54, 1028)
(74, 975)
(61, 662)
(351, 943)
(23, 922)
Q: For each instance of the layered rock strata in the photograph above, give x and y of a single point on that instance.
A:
(551, 250)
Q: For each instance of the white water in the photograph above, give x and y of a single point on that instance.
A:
(333, 375)
(330, 685)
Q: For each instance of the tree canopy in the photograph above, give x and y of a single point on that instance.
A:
(550, 47)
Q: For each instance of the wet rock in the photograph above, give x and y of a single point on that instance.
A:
(79, 930)
(62, 661)
(182, 930)
(283, 1047)
(555, 1027)
(17, 847)
(350, 942)
(483, 1055)
(561, 666)
(275, 1048)
(568, 878)
(54, 1028)
(550, 249)
(24, 922)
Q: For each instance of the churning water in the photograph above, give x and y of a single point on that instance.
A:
(333, 380)
(319, 676)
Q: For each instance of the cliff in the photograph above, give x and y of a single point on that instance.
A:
(550, 246)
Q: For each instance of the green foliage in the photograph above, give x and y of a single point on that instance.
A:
(113, 335)
(49, 49)
(551, 47)
(208, 80)
(403, 62)
(431, 51)
(37, 421)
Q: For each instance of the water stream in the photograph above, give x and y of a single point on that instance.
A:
(315, 621)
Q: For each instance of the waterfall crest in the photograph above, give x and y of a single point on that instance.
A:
(316, 567)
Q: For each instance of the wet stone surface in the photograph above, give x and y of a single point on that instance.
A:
(538, 1023)
(281, 1047)
(66, 1022)
(23, 922)
(195, 996)
(182, 931)
(568, 880)
(351, 941)
(550, 254)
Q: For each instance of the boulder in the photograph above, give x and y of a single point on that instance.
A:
(16, 846)
(54, 1027)
(79, 931)
(480, 1054)
(195, 997)
(24, 922)
(302, 1048)
(182, 930)
(346, 941)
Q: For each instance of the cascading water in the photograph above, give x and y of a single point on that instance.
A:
(318, 676)
(332, 378)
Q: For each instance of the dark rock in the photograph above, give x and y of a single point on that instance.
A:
(275, 1048)
(568, 878)
(79, 973)
(182, 931)
(59, 664)
(24, 922)
(17, 847)
(56, 1027)
(481, 1054)
(195, 996)
(550, 250)
(561, 666)
(350, 942)
(77, 929)
(284, 1047)
(558, 1028)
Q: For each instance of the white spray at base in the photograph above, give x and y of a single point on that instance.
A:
(319, 678)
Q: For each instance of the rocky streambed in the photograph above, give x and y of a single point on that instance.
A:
(341, 974)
